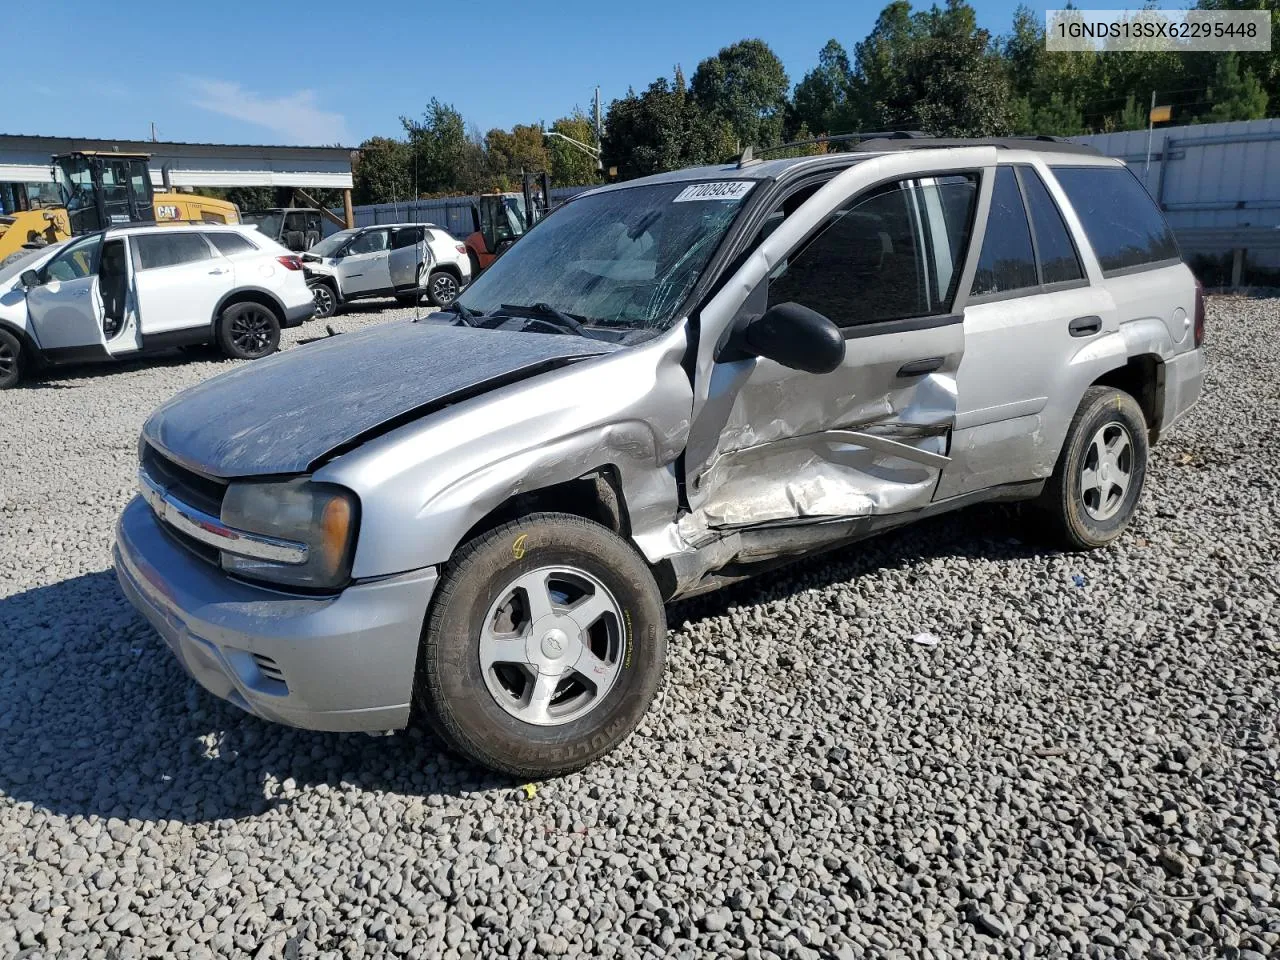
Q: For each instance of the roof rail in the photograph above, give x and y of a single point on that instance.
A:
(750, 153)
(1044, 143)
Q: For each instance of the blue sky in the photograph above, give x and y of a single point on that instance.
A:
(324, 72)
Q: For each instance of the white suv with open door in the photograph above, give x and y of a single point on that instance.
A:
(401, 260)
(131, 290)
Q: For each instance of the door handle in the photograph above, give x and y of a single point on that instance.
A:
(1085, 326)
(918, 368)
(217, 273)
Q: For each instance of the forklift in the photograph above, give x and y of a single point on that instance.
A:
(500, 219)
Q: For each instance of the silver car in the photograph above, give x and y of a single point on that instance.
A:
(475, 519)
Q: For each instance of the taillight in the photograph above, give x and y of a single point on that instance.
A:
(460, 248)
(1199, 314)
(290, 262)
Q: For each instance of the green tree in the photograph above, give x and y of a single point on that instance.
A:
(1134, 116)
(1265, 65)
(1059, 117)
(1235, 93)
(822, 99)
(745, 86)
(571, 166)
(662, 129)
(511, 152)
(383, 172)
(443, 157)
(935, 71)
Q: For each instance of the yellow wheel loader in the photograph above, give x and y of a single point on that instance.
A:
(99, 190)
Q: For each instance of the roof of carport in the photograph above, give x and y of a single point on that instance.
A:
(25, 158)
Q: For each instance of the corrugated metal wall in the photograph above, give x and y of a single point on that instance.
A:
(452, 213)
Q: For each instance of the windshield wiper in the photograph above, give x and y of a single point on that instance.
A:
(465, 314)
(551, 316)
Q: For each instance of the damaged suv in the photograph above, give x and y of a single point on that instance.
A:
(475, 519)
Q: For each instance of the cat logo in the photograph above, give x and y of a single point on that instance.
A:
(167, 211)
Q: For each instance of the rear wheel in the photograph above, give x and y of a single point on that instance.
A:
(248, 331)
(1094, 490)
(544, 646)
(443, 288)
(11, 360)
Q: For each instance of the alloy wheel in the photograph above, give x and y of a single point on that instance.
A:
(1107, 471)
(251, 331)
(444, 289)
(323, 297)
(551, 645)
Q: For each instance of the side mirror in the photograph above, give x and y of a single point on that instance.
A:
(29, 279)
(796, 337)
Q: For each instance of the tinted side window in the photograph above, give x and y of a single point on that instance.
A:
(229, 244)
(891, 254)
(371, 242)
(1007, 261)
(405, 237)
(1058, 259)
(169, 249)
(76, 261)
(1123, 224)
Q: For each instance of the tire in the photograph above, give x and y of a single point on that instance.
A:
(490, 714)
(443, 288)
(12, 361)
(475, 265)
(1094, 490)
(248, 331)
(326, 301)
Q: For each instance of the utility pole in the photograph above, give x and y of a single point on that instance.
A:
(153, 132)
(1151, 122)
(599, 122)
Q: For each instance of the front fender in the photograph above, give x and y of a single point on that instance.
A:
(424, 485)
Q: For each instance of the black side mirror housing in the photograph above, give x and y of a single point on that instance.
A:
(29, 279)
(796, 337)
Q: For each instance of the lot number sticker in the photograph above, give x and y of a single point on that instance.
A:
(720, 190)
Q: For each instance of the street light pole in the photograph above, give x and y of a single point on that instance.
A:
(593, 152)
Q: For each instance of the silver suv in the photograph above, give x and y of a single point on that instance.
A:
(669, 384)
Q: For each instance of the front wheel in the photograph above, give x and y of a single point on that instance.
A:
(1095, 486)
(544, 646)
(11, 360)
(248, 331)
(325, 299)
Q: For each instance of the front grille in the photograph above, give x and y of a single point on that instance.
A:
(203, 493)
(190, 487)
(187, 485)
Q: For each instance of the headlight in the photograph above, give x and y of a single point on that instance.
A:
(321, 516)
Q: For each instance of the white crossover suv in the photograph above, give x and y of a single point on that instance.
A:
(132, 290)
(401, 260)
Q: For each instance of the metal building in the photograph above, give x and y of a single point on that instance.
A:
(1219, 185)
(25, 168)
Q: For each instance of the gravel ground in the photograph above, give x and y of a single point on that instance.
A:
(1086, 763)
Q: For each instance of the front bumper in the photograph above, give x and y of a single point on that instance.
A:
(343, 663)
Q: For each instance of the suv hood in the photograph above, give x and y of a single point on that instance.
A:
(282, 414)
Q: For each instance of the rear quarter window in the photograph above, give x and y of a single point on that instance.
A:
(229, 244)
(169, 249)
(1124, 226)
